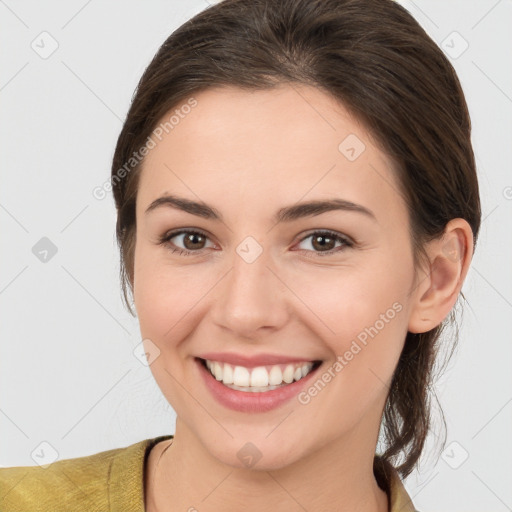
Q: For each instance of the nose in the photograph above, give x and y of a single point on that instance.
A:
(251, 299)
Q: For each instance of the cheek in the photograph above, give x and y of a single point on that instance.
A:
(349, 300)
(361, 312)
(366, 313)
(166, 302)
(162, 299)
(168, 298)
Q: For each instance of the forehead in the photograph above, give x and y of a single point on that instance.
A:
(236, 147)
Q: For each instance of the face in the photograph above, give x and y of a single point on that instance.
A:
(252, 273)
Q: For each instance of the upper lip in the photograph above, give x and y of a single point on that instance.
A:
(254, 360)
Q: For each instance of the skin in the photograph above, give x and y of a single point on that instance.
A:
(248, 154)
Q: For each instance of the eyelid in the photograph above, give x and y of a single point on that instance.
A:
(347, 241)
(182, 231)
(326, 232)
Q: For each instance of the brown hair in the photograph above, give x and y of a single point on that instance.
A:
(374, 58)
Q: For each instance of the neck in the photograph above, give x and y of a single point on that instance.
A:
(337, 476)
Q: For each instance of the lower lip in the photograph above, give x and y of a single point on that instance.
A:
(246, 401)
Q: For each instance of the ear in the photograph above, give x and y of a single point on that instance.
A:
(439, 285)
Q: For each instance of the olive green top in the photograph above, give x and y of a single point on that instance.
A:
(113, 481)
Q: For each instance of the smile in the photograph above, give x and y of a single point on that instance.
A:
(260, 378)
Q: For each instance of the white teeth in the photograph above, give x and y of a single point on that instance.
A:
(241, 376)
(260, 378)
(288, 374)
(275, 377)
(251, 389)
(217, 370)
(227, 377)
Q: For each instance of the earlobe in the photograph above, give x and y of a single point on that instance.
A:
(438, 290)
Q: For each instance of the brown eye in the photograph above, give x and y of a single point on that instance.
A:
(193, 241)
(185, 242)
(325, 243)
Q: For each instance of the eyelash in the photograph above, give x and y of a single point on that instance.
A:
(348, 243)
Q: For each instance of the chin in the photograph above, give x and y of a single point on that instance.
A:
(257, 453)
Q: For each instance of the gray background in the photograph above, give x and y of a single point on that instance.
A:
(68, 373)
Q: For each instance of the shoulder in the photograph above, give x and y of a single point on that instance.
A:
(91, 482)
(59, 486)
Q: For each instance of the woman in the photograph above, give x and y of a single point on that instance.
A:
(297, 211)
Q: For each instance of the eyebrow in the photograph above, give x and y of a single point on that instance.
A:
(286, 214)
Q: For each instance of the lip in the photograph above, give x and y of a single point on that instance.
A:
(252, 361)
(243, 401)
